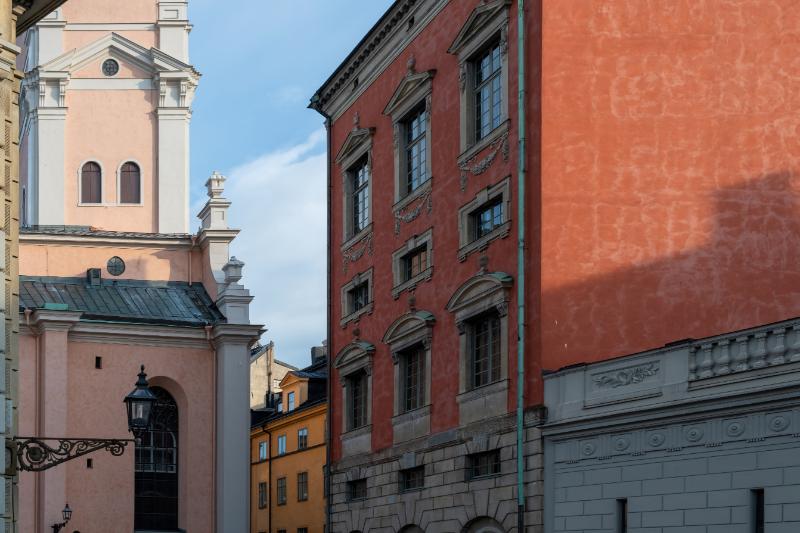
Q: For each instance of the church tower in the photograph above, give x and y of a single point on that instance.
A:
(106, 106)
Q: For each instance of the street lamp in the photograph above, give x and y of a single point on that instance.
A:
(35, 454)
(66, 514)
(139, 404)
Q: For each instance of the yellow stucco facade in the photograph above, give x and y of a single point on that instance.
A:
(283, 466)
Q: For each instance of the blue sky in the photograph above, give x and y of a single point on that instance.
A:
(261, 62)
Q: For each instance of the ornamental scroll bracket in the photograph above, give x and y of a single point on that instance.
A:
(406, 214)
(33, 454)
(477, 167)
(357, 251)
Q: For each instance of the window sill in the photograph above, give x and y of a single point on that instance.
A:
(420, 191)
(411, 425)
(358, 237)
(357, 441)
(500, 232)
(488, 401)
(357, 432)
(425, 275)
(478, 147)
(491, 388)
(366, 310)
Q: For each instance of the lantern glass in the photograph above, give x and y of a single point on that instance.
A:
(139, 404)
(66, 513)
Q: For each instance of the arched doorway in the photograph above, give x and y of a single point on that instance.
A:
(156, 506)
(484, 525)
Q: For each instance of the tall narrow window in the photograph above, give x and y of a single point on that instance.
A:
(290, 401)
(262, 451)
(130, 186)
(413, 378)
(91, 183)
(156, 502)
(281, 444)
(622, 515)
(302, 486)
(281, 491)
(416, 149)
(302, 439)
(488, 91)
(484, 349)
(357, 388)
(359, 175)
(262, 495)
(758, 510)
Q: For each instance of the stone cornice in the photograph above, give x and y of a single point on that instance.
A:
(117, 241)
(379, 47)
(242, 333)
(50, 320)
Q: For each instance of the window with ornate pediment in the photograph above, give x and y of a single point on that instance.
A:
(480, 308)
(412, 263)
(354, 366)
(355, 162)
(482, 50)
(486, 218)
(410, 111)
(410, 339)
(357, 297)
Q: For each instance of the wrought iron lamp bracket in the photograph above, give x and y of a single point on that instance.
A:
(34, 454)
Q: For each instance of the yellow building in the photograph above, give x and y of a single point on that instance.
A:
(287, 443)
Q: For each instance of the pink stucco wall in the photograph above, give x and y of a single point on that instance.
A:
(107, 11)
(102, 497)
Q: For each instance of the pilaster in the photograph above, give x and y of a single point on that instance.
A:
(173, 169)
(173, 28)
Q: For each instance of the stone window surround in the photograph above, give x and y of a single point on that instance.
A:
(357, 145)
(119, 184)
(409, 330)
(411, 244)
(413, 90)
(352, 358)
(358, 279)
(487, 22)
(501, 189)
(480, 294)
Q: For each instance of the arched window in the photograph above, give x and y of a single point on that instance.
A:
(156, 506)
(130, 178)
(91, 183)
(484, 525)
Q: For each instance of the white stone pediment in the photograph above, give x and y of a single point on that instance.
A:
(353, 353)
(354, 142)
(150, 60)
(480, 17)
(410, 88)
(478, 287)
(408, 324)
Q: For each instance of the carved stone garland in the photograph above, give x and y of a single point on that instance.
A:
(476, 168)
(357, 251)
(407, 213)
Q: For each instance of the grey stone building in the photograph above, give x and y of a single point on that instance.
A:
(697, 437)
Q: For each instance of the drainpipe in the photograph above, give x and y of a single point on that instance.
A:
(521, 266)
(315, 105)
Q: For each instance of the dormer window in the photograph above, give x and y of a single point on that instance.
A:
(290, 401)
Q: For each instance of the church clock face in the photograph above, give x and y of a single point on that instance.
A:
(110, 67)
(115, 266)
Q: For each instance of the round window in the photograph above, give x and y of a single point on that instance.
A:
(115, 266)
(110, 67)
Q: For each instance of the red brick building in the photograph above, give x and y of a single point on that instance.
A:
(660, 174)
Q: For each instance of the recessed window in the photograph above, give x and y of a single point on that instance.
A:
(484, 349)
(282, 445)
(416, 149)
(302, 439)
(359, 203)
(302, 530)
(358, 297)
(486, 219)
(414, 262)
(758, 510)
(130, 184)
(110, 67)
(290, 401)
(488, 90)
(262, 450)
(357, 490)
(413, 377)
(91, 183)
(262, 495)
(302, 486)
(483, 464)
(357, 390)
(282, 491)
(412, 478)
(622, 515)
(98, 362)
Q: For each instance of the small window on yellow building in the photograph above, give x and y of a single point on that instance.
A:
(262, 450)
(302, 439)
(281, 444)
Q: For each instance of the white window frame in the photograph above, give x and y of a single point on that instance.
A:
(291, 401)
(281, 444)
(417, 241)
(482, 293)
(488, 22)
(467, 246)
(263, 451)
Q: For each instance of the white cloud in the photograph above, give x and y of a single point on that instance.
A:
(279, 203)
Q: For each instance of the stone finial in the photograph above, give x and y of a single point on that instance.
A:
(356, 120)
(215, 185)
(233, 270)
(483, 263)
(411, 64)
(356, 332)
(412, 302)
